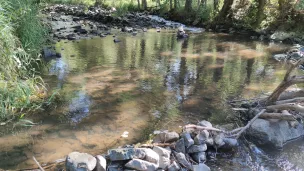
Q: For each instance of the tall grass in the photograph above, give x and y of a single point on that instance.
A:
(21, 38)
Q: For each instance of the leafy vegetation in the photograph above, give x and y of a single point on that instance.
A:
(21, 38)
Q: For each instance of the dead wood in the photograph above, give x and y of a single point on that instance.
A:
(294, 100)
(280, 116)
(287, 106)
(37, 163)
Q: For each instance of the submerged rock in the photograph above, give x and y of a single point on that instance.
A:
(201, 167)
(76, 161)
(275, 134)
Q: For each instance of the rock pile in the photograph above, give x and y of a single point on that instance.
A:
(98, 14)
(295, 53)
(169, 151)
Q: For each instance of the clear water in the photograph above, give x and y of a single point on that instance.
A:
(146, 82)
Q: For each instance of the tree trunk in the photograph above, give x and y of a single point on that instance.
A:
(144, 4)
(215, 5)
(188, 5)
(175, 4)
(260, 13)
(138, 4)
(171, 5)
(226, 9)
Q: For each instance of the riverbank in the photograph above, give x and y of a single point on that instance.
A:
(23, 36)
(140, 20)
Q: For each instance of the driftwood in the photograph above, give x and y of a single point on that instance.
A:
(37, 163)
(294, 100)
(280, 116)
(287, 106)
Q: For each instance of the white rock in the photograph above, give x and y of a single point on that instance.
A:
(141, 165)
(76, 161)
(101, 163)
(164, 156)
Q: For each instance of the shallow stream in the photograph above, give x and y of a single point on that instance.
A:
(146, 82)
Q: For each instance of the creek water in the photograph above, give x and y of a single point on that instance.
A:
(147, 82)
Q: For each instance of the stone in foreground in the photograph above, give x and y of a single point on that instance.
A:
(101, 163)
(164, 156)
(173, 167)
(181, 158)
(141, 165)
(76, 161)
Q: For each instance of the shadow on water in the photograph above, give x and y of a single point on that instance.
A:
(145, 82)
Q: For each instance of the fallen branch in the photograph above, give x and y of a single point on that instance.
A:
(280, 116)
(288, 106)
(294, 100)
(202, 128)
(249, 124)
(37, 163)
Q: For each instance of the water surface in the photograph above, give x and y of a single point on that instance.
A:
(146, 82)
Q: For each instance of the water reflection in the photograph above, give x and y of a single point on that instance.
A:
(79, 107)
(58, 68)
(144, 82)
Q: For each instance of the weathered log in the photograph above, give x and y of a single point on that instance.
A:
(294, 100)
(287, 106)
(280, 116)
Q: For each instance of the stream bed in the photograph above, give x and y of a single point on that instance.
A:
(146, 82)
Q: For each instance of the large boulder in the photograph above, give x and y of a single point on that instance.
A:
(76, 161)
(273, 133)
